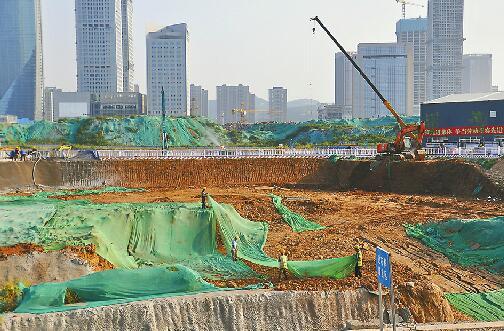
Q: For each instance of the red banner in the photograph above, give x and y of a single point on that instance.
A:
(466, 131)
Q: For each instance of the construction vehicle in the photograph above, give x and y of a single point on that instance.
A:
(414, 133)
(404, 3)
(64, 148)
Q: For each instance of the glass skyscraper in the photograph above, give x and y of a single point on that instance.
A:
(390, 67)
(21, 67)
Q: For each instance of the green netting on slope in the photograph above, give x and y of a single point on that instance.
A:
(471, 243)
(297, 222)
(252, 237)
(114, 287)
(145, 131)
(108, 189)
(127, 235)
(133, 131)
(21, 219)
(481, 306)
(356, 131)
(136, 235)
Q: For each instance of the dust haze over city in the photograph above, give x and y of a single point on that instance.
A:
(263, 43)
(251, 165)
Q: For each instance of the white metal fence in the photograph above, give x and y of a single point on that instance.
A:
(468, 152)
(235, 153)
(239, 153)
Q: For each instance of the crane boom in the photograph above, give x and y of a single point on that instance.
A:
(356, 66)
(404, 3)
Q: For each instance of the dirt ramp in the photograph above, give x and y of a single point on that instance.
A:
(454, 178)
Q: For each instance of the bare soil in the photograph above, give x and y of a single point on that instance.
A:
(421, 275)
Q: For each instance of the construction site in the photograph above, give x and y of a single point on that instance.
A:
(138, 250)
(273, 226)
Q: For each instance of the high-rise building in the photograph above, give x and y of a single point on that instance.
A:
(167, 69)
(414, 32)
(477, 73)
(390, 67)
(277, 104)
(445, 47)
(49, 103)
(21, 67)
(104, 45)
(344, 76)
(127, 45)
(199, 101)
(231, 98)
(344, 73)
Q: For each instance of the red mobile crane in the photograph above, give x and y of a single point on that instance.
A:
(397, 149)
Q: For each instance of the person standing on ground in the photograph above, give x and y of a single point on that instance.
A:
(283, 270)
(234, 248)
(204, 196)
(15, 154)
(358, 265)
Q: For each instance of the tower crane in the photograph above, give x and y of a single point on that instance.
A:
(404, 3)
(243, 113)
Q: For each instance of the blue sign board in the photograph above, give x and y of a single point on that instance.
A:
(383, 268)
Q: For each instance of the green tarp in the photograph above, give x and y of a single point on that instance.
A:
(480, 306)
(297, 222)
(113, 287)
(127, 235)
(471, 243)
(145, 131)
(139, 131)
(252, 237)
(108, 189)
(135, 236)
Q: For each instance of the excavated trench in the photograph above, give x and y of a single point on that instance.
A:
(244, 310)
(451, 177)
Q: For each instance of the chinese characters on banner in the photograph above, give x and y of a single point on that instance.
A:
(466, 131)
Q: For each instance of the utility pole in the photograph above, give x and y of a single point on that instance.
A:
(163, 120)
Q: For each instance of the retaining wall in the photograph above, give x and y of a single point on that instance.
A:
(453, 177)
(239, 310)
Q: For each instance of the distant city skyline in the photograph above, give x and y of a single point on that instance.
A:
(262, 44)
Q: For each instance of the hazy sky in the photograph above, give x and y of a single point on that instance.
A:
(265, 42)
